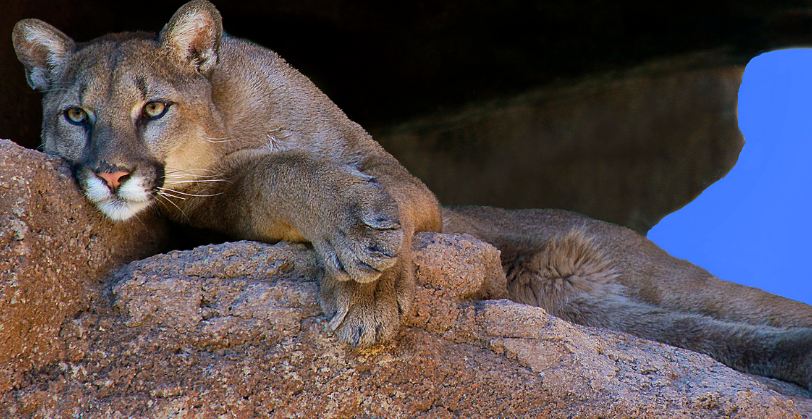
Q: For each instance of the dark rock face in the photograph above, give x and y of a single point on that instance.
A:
(628, 148)
(385, 62)
(55, 248)
(579, 148)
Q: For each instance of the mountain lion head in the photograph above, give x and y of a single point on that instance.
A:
(131, 112)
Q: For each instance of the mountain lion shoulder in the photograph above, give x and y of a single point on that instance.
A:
(222, 134)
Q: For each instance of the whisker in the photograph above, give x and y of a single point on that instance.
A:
(139, 220)
(199, 181)
(185, 172)
(161, 205)
(191, 170)
(216, 140)
(167, 194)
(174, 169)
(190, 177)
(174, 204)
(166, 190)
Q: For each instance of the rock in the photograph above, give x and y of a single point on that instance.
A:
(55, 248)
(235, 329)
(628, 147)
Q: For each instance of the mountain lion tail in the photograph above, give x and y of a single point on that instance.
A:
(563, 268)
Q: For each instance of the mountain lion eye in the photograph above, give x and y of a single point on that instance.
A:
(155, 110)
(76, 116)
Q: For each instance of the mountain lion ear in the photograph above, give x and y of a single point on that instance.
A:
(42, 49)
(193, 35)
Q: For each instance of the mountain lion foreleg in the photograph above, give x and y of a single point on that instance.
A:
(349, 216)
(357, 307)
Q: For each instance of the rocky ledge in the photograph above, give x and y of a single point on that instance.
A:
(55, 251)
(235, 329)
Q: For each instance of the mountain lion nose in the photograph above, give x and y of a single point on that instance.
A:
(114, 179)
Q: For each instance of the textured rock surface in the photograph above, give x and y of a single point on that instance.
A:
(628, 147)
(54, 250)
(235, 329)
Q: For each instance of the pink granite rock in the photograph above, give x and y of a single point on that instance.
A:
(235, 329)
(55, 248)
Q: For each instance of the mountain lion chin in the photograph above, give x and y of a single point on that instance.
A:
(121, 210)
(128, 200)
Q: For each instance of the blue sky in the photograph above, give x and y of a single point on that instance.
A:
(754, 226)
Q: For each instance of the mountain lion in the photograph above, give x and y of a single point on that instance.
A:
(224, 135)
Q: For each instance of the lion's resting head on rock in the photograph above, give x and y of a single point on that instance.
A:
(127, 110)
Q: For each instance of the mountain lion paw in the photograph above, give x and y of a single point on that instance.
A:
(363, 314)
(367, 240)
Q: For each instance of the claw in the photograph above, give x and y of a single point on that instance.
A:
(338, 318)
(379, 250)
(338, 265)
(367, 274)
(336, 268)
(380, 223)
(359, 333)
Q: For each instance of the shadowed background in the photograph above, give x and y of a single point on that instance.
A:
(623, 110)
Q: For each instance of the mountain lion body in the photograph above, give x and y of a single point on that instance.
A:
(224, 135)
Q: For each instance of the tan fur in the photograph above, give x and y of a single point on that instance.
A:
(564, 267)
(252, 148)
(248, 147)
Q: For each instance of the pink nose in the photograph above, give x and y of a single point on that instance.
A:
(113, 179)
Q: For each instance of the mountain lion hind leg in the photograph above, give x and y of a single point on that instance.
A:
(602, 275)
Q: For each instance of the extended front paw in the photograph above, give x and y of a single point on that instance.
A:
(364, 314)
(367, 238)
